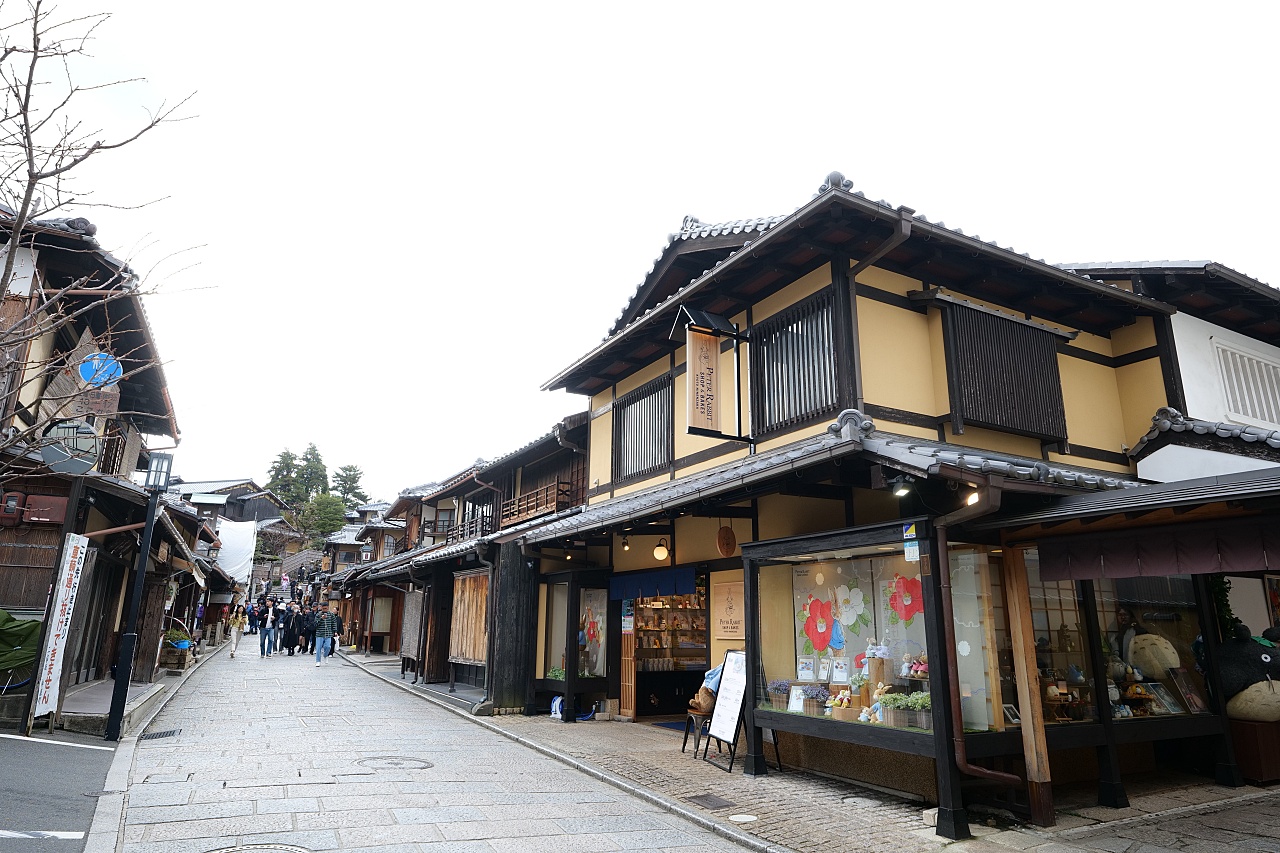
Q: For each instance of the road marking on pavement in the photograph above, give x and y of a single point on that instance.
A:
(58, 743)
(62, 836)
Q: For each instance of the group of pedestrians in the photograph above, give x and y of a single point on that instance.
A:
(284, 626)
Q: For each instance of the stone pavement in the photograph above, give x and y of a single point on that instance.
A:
(525, 783)
(280, 752)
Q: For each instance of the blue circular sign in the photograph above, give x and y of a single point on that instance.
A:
(101, 370)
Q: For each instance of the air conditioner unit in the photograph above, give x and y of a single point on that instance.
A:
(46, 509)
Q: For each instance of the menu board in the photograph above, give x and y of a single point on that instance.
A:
(733, 689)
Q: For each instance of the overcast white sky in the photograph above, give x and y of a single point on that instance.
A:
(410, 215)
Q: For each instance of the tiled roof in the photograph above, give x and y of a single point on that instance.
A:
(346, 536)
(419, 491)
(1211, 268)
(376, 506)
(1169, 420)
(188, 487)
(852, 432)
(435, 554)
(396, 564)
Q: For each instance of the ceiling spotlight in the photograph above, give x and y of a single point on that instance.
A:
(626, 544)
(902, 485)
(660, 551)
(972, 499)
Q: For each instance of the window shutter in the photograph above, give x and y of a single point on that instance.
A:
(1251, 385)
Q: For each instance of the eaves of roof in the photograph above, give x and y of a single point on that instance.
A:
(435, 554)
(1247, 485)
(1168, 420)
(920, 228)
(448, 486)
(1212, 269)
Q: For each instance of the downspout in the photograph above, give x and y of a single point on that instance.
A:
(987, 503)
(558, 431)
(484, 708)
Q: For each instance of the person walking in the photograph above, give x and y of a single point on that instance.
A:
(337, 634)
(238, 622)
(291, 624)
(326, 627)
(252, 613)
(308, 641)
(267, 620)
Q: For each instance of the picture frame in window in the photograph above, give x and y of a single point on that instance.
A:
(1164, 696)
(1011, 715)
(1192, 699)
(1271, 584)
(806, 668)
(839, 670)
(795, 699)
(824, 669)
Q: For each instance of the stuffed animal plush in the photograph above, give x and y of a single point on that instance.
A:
(1152, 653)
(877, 711)
(1249, 668)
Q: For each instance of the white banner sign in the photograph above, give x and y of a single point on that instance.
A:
(49, 673)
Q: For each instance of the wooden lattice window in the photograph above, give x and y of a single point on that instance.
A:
(643, 430)
(793, 366)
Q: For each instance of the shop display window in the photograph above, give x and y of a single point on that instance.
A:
(556, 618)
(593, 615)
(1062, 648)
(1150, 636)
(984, 651)
(843, 637)
(671, 633)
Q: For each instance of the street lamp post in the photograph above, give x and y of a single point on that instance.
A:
(157, 483)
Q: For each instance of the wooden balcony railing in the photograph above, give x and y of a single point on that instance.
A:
(471, 528)
(553, 497)
(436, 526)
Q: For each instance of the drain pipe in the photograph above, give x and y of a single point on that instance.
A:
(484, 708)
(558, 431)
(987, 503)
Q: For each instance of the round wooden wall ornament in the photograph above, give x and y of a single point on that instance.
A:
(726, 541)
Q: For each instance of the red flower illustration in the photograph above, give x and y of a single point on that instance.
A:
(859, 661)
(906, 598)
(818, 625)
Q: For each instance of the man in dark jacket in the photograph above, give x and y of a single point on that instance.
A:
(308, 640)
(327, 624)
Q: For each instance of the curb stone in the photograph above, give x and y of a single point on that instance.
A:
(652, 797)
(106, 831)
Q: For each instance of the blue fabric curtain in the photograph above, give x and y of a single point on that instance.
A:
(645, 584)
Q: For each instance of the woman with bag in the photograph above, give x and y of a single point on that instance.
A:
(239, 621)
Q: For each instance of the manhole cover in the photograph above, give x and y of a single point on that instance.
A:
(268, 848)
(394, 762)
(710, 801)
(156, 735)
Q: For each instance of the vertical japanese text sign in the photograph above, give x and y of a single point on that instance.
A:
(703, 377)
(49, 671)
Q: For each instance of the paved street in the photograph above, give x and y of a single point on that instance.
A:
(54, 790)
(278, 751)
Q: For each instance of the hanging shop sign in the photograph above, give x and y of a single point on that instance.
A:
(703, 380)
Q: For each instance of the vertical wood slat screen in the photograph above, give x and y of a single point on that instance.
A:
(643, 430)
(468, 631)
(1002, 374)
(793, 366)
(1251, 384)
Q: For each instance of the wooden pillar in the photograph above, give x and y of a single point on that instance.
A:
(1225, 771)
(1035, 747)
(953, 818)
(568, 713)
(513, 594)
(1110, 786)
(754, 763)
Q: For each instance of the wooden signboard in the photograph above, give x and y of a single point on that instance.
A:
(703, 380)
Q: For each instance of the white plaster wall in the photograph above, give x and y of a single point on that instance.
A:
(1175, 462)
(1201, 382)
(24, 269)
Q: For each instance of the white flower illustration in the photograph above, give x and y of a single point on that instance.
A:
(963, 648)
(852, 604)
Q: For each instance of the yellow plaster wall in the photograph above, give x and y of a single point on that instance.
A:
(600, 453)
(806, 285)
(696, 538)
(1141, 389)
(871, 506)
(645, 374)
(786, 515)
(643, 484)
(1092, 343)
(897, 357)
(1001, 442)
(882, 279)
(641, 554)
(906, 429)
(1092, 403)
(1139, 334)
(1078, 461)
(938, 355)
(740, 453)
(720, 646)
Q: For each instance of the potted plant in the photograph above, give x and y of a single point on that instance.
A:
(921, 704)
(777, 691)
(893, 709)
(178, 638)
(861, 685)
(815, 699)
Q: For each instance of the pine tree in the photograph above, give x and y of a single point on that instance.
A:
(346, 485)
(313, 476)
(283, 479)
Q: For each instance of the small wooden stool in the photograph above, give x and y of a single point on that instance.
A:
(698, 725)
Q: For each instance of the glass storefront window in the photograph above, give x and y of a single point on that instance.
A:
(557, 618)
(1150, 632)
(843, 637)
(593, 614)
(984, 650)
(1062, 648)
